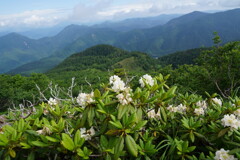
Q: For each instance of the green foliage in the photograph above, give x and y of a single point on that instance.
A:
(18, 89)
(181, 58)
(222, 65)
(156, 123)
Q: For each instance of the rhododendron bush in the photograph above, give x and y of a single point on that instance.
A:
(152, 121)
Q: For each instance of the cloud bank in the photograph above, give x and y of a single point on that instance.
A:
(94, 11)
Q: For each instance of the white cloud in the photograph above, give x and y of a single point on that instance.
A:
(34, 18)
(101, 10)
(86, 13)
(106, 10)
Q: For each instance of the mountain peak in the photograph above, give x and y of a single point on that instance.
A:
(13, 34)
(187, 17)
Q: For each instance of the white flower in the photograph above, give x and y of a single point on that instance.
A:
(230, 121)
(153, 114)
(181, 108)
(40, 131)
(44, 131)
(237, 112)
(87, 134)
(199, 111)
(114, 78)
(202, 104)
(223, 155)
(217, 101)
(172, 109)
(52, 102)
(84, 99)
(125, 97)
(45, 112)
(117, 84)
(146, 79)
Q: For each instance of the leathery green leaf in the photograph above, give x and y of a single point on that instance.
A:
(131, 145)
(67, 142)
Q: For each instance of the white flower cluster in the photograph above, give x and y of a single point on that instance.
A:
(237, 113)
(180, 108)
(44, 131)
(202, 106)
(223, 155)
(230, 121)
(199, 111)
(84, 99)
(153, 114)
(52, 102)
(172, 109)
(125, 97)
(217, 101)
(117, 84)
(87, 134)
(146, 79)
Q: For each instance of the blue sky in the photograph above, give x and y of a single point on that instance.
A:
(47, 13)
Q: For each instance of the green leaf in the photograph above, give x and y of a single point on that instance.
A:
(97, 93)
(118, 148)
(140, 125)
(25, 145)
(51, 139)
(131, 146)
(103, 141)
(163, 113)
(67, 142)
(21, 125)
(116, 124)
(12, 153)
(112, 132)
(122, 109)
(192, 148)
(91, 115)
(78, 141)
(39, 144)
(233, 151)
(31, 156)
(32, 132)
(9, 129)
(223, 131)
(191, 135)
(3, 139)
(84, 117)
(139, 114)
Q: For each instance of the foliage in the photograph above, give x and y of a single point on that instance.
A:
(151, 122)
(17, 89)
(222, 64)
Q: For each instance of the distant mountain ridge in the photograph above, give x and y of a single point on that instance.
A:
(192, 30)
(137, 23)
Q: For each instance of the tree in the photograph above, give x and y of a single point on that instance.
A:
(223, 66)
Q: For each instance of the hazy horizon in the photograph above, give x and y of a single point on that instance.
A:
(25, 15)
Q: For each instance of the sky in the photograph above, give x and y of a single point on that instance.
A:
(48, 13)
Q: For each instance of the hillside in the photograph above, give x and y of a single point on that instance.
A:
(181, 57)
(95, 63)
(104, 58)
(16, 50)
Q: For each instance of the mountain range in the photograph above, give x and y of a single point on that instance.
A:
(19, 54)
